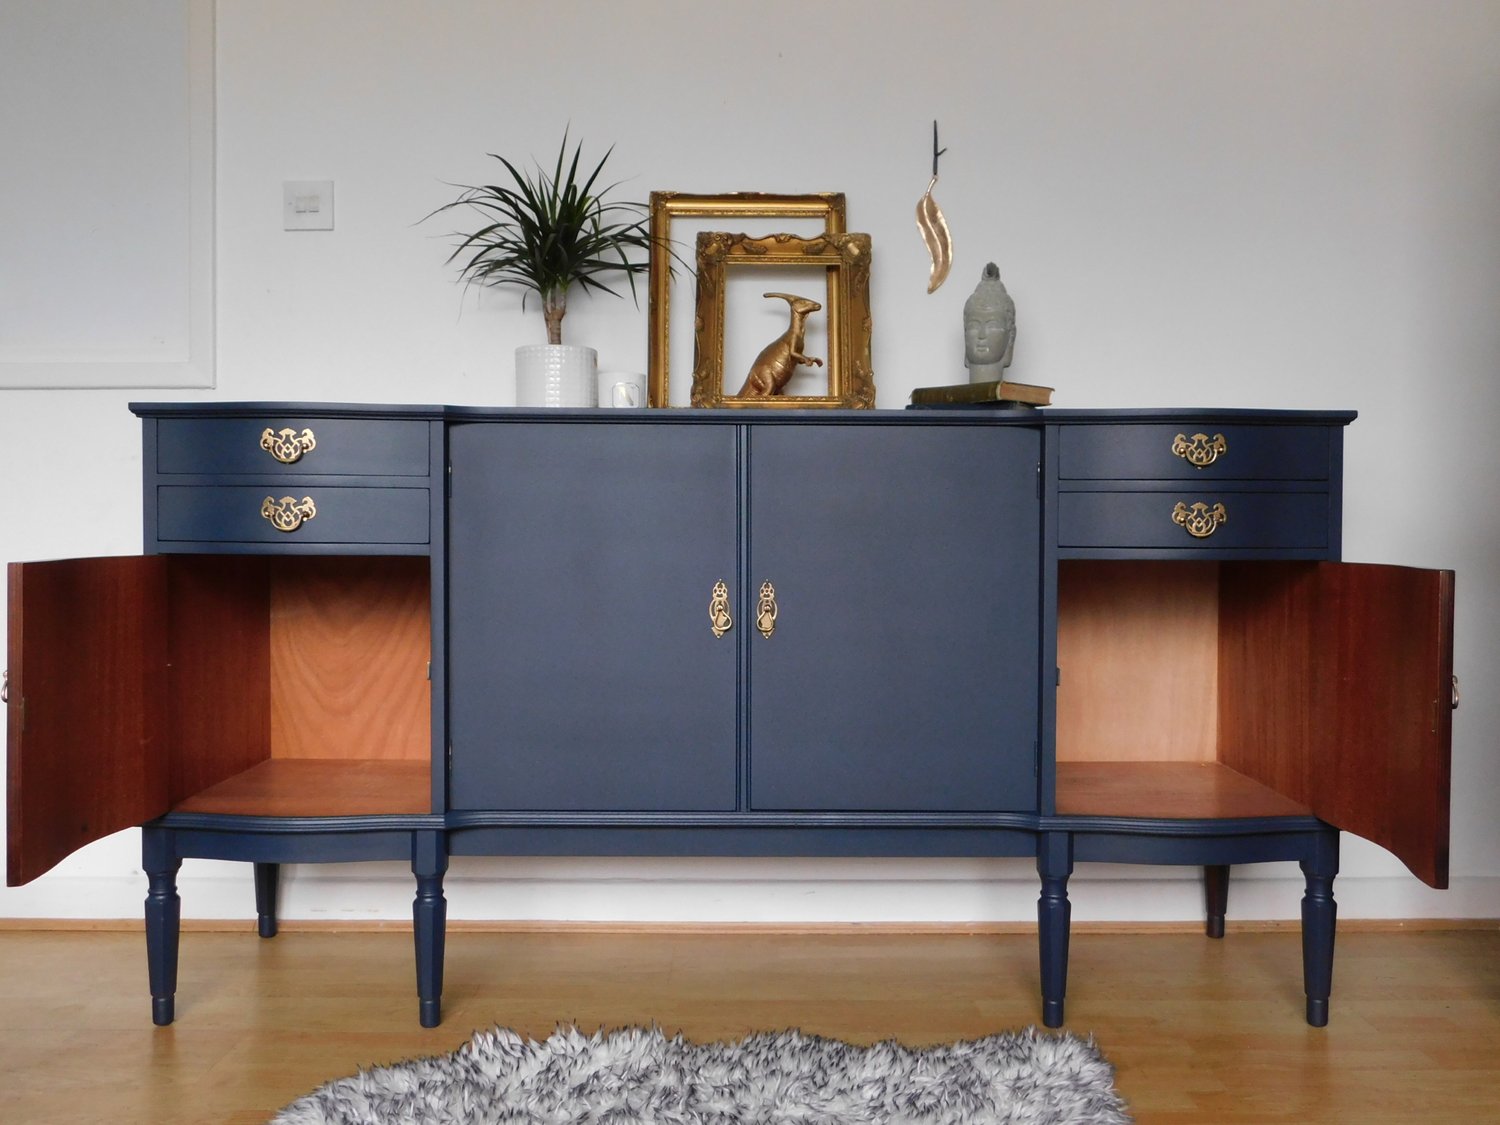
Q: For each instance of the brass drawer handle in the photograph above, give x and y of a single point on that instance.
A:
(288, 513)
(765, 610)
(287, 446)
(1200, 450)
(1200, 521)
(718, 610)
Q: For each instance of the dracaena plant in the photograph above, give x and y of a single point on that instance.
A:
(548, 233)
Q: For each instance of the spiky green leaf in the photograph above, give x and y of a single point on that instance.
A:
(546, 234)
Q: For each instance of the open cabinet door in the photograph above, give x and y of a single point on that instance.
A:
(1382, 691)
(84, 718)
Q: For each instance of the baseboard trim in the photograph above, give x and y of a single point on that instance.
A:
(791, 929)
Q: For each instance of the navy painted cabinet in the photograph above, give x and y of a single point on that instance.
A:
(584, 674)
(416, 633)
(899, 591)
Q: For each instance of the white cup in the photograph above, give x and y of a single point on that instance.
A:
(622, 390)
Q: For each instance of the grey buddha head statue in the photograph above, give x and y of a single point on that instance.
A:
(989, 327)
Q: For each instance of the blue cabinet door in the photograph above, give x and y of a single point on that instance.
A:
(902, 670)
(584, 674)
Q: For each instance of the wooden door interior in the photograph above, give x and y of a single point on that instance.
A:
(1250, 689)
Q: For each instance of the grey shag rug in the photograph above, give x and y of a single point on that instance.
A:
(640, 1077)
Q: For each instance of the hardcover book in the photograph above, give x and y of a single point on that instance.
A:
(996, 391)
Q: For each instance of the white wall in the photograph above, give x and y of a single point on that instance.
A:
(1263, 204)
(128, 201)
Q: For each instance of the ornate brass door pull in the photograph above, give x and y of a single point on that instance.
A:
(287, 446)
(1200, 450)
(719, 619)
(765, 610)
(288, 513)
(1200, 521)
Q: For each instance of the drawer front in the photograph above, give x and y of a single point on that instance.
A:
(1194, 521)
(304, 446)
(293, 514)
(1193, 452)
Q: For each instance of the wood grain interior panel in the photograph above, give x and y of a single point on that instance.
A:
(87, 751)
(1137, 647)
(311, 787)
(1267, 674)
(219, 679)
(1169, 790)
(350, 641)
(1383, 696)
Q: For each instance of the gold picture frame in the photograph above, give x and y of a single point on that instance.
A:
(844, 258)
(734, 206)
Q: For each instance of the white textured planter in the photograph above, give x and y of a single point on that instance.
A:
(557, 375)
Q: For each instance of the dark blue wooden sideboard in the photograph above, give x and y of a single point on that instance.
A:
(404, 632)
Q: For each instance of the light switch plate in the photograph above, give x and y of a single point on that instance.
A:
(307, 205)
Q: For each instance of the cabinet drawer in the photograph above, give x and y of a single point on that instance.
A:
(1193, 452)
(305, 446)
(240, 514)
(1241, 521)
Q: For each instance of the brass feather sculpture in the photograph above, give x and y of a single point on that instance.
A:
(933, 226)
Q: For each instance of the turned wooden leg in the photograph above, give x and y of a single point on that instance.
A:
(1319, 917)
(266, 878)
(1216, 898)
(163, 920)
(429, 922)
(1054, 862)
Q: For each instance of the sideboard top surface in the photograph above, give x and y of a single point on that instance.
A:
(925, 416)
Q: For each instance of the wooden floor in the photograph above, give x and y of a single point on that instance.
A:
(1199, 1030)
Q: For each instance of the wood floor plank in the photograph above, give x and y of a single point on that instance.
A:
(1199, 1030)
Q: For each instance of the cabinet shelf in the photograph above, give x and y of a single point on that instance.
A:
(1166, 791)
(319, 787)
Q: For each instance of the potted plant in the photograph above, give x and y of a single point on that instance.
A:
(546, 234)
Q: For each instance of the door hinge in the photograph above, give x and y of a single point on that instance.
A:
(20, 701)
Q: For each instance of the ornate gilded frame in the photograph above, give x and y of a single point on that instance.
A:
(669, 205)
(845, 258)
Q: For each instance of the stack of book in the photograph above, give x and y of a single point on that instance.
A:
(997, 392)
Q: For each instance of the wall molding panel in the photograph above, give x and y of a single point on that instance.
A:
(107, 206)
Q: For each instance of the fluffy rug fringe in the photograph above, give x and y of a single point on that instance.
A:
(638, 1076)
